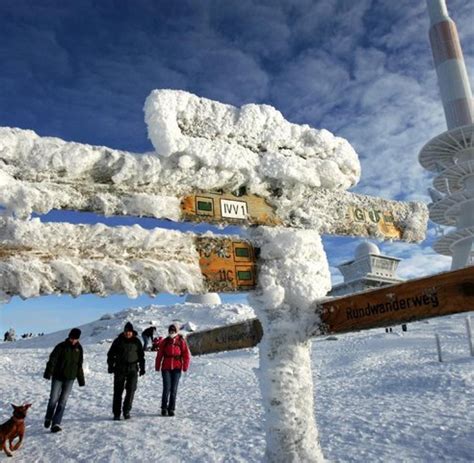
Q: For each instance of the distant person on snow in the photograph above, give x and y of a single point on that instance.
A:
(147, 336)
(173, 357)
(64, 366)
(125, 360)
(9, 335)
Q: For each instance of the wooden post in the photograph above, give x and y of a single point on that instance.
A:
(282, 302)
(469, 336)
(438, 348)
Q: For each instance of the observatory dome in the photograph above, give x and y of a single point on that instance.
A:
(366, 248)
(209, 298)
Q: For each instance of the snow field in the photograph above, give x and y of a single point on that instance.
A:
(387, 398)
(378, 397)
(203, 429)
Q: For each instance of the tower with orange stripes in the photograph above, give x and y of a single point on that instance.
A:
(451, 154)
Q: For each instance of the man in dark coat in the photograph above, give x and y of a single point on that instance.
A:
(125, 359)
(64, 366)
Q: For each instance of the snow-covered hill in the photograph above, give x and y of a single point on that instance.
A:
(379, 397)
(194, 316)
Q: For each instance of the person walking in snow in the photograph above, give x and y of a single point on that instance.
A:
(63, 367)
(125, 359)
(172, 358)
(147, 336)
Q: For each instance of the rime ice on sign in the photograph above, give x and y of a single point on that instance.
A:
(292, 175)
(208, 146)
(224, 147)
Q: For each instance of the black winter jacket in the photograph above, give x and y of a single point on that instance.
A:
(65, 363)
(126, 355)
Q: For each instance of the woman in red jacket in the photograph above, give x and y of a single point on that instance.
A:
(172, 358)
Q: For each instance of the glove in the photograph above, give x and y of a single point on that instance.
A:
(110, 369)
(47, 375)
(81, 384)
(142, 372)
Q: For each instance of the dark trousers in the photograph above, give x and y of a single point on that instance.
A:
(60, 391)
(147, 340)
(170, 388)
(127, 381)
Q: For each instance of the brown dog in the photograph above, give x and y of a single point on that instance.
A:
(13, 428)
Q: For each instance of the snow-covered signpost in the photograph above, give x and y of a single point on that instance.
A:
(216, 164)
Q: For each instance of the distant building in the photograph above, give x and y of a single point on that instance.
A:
(368, 270)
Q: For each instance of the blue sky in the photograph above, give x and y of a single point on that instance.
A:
(362, 69)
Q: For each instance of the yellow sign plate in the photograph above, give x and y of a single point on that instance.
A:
(228, 209)
(227, 265)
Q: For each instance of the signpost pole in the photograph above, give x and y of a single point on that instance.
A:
(438, 348)
(283, 303)
(469, 336)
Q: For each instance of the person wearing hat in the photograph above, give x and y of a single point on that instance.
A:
(63, 367)
(173, 357)
(125, 360)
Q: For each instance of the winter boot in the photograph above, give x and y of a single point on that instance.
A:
(164, 412)
(56, 428)
(116, 417)
(47, 424)
(170, 412)
(126, 416)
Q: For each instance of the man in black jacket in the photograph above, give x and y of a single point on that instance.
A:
(125, 359)
(64, 366)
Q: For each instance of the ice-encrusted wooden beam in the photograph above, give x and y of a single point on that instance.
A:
(437, 295)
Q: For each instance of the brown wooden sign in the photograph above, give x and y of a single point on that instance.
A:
(444, 294)
(345, 213)
(329, 212)
(434, 296)
(238, 335)
(227, 264)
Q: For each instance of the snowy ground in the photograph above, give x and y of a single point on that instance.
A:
(379, 397)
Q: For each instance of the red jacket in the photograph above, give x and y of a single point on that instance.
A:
(173, 353)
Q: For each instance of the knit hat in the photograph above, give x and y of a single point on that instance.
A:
(128, 327)
(173, 327)
(75, 333)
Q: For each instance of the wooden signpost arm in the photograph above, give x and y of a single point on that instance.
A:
(149, 261)
(439, 295)
(332, 212)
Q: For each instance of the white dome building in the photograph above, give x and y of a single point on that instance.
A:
(368, 270)
(366, 248)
